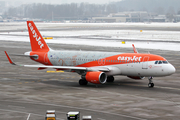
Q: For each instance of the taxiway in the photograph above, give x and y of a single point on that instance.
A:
(25, 91)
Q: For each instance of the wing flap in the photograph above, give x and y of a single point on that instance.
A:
(57, 67)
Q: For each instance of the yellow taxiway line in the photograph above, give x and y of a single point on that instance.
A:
(54, 71)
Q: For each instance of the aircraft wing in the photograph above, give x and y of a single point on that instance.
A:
(69, 68)
(104, 69)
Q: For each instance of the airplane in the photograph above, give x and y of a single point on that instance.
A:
(95, 67)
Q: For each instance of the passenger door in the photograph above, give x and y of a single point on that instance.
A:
(145, 62)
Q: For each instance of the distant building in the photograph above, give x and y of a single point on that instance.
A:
(1, 19)
(159, 18)
(177, 18)
(137, 16)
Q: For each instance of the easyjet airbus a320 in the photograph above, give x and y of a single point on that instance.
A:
(96, 67)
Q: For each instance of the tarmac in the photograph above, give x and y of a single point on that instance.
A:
(25, 91)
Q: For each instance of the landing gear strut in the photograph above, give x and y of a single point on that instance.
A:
(110, 79)
(151, 84)
(83, 82)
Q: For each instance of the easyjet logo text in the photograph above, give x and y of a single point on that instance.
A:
(134, 58)
(38, 38)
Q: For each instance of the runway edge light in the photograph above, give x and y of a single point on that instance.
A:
(47, 37)
(123, 42)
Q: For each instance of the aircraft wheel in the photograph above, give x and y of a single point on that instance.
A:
(83, 82)
(151, 85)
(110, 79)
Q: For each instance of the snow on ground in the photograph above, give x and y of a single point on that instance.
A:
(105, 43)
(114, 36)
(22, 25)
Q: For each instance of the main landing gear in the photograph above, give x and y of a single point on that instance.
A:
(83, 82)
(110, 79)
(151, 84)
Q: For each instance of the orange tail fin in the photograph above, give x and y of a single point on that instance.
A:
(37, 41)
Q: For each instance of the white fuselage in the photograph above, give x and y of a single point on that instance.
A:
(129, 66)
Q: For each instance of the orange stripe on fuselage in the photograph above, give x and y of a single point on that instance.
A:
(122, 59)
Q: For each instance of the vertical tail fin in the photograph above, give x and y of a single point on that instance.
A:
(37, 41)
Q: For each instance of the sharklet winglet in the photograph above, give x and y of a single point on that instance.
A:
(10, 60)
(135, 50)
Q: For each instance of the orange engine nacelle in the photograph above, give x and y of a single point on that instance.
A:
(136, 77)
(96, 77)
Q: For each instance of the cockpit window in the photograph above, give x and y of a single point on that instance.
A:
(161, 62)
(165, 62)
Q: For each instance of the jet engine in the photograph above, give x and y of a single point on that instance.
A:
(136, 77)
(95, 77)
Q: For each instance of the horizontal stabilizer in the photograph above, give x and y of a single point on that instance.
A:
(22, 55)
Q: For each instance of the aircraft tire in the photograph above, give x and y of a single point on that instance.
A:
(110, 79)
(151, 85)
(83, 82)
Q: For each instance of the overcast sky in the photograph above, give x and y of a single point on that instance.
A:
(60, 1)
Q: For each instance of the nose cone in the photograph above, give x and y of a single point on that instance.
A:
(171, 69)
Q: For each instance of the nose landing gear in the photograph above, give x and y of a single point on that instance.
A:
(151, 84)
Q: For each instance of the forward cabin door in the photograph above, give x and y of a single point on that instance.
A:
(145, 62)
